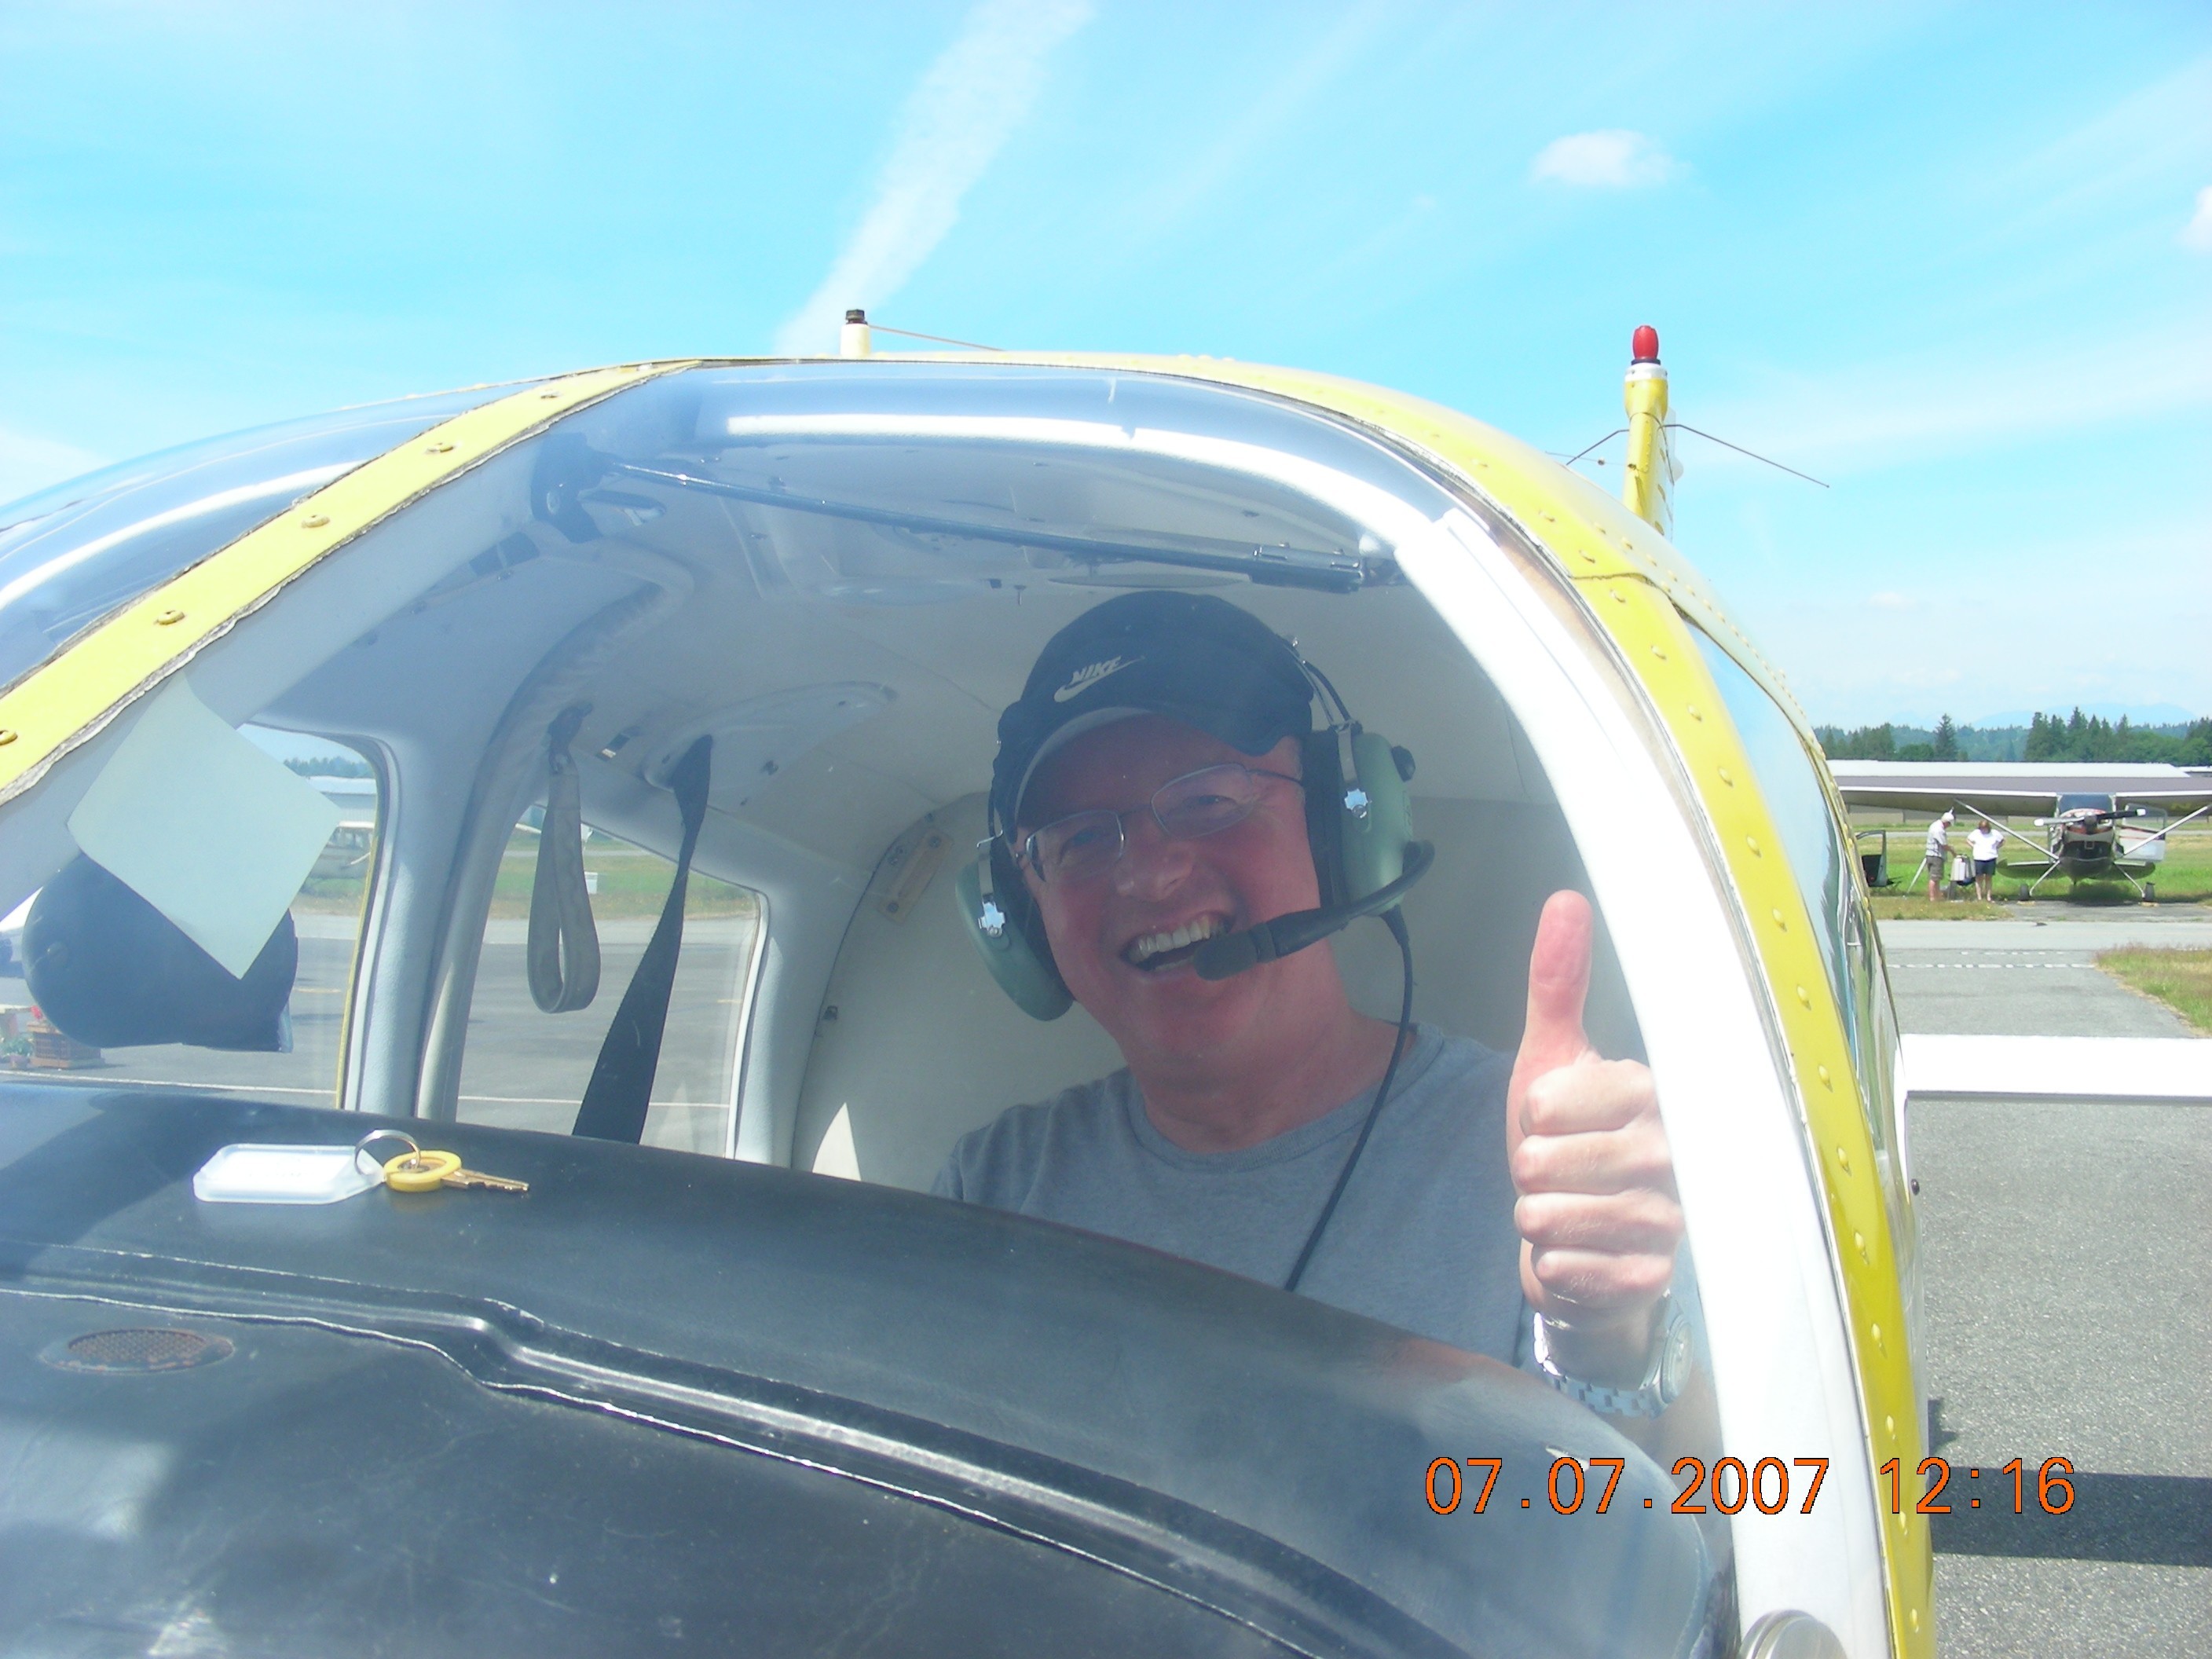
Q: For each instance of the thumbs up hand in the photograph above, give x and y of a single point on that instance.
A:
(1597, 1215)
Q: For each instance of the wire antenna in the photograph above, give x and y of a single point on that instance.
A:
(937, 339)
(1678, 426)
(1586, 448)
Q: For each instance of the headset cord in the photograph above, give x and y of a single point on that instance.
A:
(1343, 713)
(1396, 922)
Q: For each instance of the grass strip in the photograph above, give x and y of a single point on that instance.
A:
(631, 883)
(2184, 876)
(1914, 907)
(2181, 979)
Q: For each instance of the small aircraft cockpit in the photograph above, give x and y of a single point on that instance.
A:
(842, 591)
(2100, 806)
(611, 759)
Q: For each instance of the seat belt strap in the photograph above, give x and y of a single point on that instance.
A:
(621, 1088)
(563, 955)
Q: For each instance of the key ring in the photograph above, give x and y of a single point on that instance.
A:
(413, 1170)
(375, 1135)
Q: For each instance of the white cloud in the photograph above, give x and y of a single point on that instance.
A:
(1246, 139)
(2198, 232)
(29, 463)
(1890, 600)
(1611, 159)
(955, 122)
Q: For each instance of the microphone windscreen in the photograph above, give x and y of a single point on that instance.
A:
(1289, 934)
(1231, 954)
(1293, 932)
(1285, 936)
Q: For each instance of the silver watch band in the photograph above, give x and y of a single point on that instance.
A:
(1664, 1376)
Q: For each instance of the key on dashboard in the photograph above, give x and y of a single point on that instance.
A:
(492, 1183)
(426, 1172)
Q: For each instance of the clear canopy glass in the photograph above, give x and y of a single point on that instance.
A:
(71, 553)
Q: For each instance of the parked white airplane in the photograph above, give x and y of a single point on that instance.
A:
(2097, 820)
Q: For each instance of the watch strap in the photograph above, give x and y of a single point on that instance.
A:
(1664, 1373)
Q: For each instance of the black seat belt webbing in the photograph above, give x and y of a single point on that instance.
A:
(563, 954)
(621, 1088)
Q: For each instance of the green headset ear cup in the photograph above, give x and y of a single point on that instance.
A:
(1029, 977)
(1372, 844)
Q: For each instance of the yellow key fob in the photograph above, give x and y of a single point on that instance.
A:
(420, 1172)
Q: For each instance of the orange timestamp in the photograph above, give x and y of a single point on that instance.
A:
(2054, 1492)
(1572, 1486)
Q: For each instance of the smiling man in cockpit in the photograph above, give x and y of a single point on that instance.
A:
(1161, 785)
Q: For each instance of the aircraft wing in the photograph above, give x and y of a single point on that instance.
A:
(2014, 790)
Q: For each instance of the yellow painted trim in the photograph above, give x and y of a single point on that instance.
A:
(1656, 640)
(62, 704)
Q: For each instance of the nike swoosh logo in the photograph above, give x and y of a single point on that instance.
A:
(1084, 678)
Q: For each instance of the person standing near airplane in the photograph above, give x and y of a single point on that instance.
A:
(1985, 843)
(1938, 854)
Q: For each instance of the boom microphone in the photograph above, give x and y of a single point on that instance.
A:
(1232, 953)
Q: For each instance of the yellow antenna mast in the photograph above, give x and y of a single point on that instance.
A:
(1648, 484)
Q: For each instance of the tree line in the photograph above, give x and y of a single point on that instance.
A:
(2077, 737)
(332, 766)
(2050, 739)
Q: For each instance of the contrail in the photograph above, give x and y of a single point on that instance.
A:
(965, 107)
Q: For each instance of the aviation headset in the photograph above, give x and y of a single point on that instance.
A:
(1200, 659)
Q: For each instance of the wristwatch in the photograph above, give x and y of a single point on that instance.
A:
(1663, 1377)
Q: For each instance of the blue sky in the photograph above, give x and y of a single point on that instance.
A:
(1957, 262)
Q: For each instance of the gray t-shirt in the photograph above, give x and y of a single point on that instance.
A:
(1423, 1238)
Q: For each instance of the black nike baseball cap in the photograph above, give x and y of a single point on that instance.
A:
(1192, 657)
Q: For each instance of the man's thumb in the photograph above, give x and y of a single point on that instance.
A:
(1558, 981)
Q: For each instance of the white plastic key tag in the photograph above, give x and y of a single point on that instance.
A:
(250, 1174)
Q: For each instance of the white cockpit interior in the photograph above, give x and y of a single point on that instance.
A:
(842, 572)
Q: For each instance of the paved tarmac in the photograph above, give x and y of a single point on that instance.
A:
(521, 1068)
(527, 1070)
(2068, 1277)
(2035, 976)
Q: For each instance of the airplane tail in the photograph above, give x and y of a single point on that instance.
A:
(1648, 482)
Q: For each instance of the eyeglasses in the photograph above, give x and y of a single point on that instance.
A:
(1201, 803)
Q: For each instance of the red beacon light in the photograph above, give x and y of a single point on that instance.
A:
(1643, 345)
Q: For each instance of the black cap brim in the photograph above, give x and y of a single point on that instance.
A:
(1189, 657)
